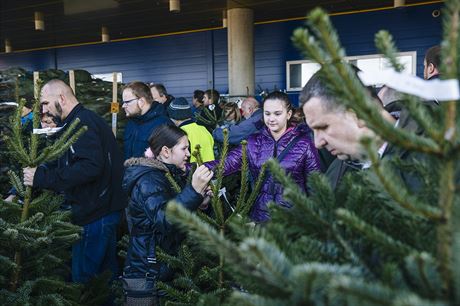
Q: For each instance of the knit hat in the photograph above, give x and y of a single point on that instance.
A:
(179, 109)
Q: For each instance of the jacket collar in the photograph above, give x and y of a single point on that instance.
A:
(73, 113)
(156, 110)
(153, 163)
(291, 130)
(147, 162)
(186, 122)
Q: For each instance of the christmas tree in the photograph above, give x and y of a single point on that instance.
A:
(36, 236)
(374, 241)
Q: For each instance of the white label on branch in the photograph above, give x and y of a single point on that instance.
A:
(440, 90)
(47, 131)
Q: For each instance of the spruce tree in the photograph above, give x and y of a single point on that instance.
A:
(36, 236)
(374, 241)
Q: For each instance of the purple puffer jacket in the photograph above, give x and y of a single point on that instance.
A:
(301, 160)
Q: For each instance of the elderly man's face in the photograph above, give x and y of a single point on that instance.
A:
(338, 131)
(246, 110)
(49, 103)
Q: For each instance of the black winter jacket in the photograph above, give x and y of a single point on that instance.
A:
(89, 173)
(139, 129)
(149, 191)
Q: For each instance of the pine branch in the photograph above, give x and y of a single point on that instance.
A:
(396, 247)
(255, 191)
(215, 201)
(208, 236)
(449, 70)
(244, 177)
(172, 261)
(199, 117)
(355, 291)
(273, 266)
(32, 221)
(247, 299)
(9, 206)
(418, 112)
(385, 44)
(35, 124)
(197, 155)
(63, 144)
(207, 219)
(16, 142)
(188, 262)
(423, 271)
(396, 188)
(173, 183)
(16, 182)
(173, 292)
(293, 193)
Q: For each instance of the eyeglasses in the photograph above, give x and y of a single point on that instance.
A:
(129, 101)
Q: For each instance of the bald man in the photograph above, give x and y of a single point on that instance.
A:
(89, 174)
(253, 123)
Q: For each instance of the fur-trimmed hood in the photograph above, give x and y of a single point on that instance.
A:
(147, 162)
(137, 167)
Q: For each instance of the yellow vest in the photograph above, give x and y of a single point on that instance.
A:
(198, 134)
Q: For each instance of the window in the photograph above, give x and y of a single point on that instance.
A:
(299, 72)
(109, 77)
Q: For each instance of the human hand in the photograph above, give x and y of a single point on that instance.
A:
(207, 198)
(201, 178)
(29, 174)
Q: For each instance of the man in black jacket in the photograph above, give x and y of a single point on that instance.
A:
(90, 175)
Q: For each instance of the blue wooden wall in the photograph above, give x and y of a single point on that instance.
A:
(199, 60)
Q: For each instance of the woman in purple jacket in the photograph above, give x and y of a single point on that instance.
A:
(278, 135)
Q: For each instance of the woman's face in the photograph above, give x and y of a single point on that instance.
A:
(230, 112)
(47, 122)
(179, 154)
(276, 116)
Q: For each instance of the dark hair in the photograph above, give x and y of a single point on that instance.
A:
(140, 90)
(30, 101)
(433, 56)
(198, 94)
(281, 96)
(165, 135)
(160, 88)
(231, 109)
(213, 95)
(316, 87)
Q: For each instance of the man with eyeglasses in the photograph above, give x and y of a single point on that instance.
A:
(144, 115)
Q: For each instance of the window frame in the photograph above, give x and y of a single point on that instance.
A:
(413, 54)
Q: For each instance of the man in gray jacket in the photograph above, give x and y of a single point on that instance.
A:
(252, 123)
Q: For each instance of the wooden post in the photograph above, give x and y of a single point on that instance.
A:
(114, 105)
(72, 81)
(36, 87)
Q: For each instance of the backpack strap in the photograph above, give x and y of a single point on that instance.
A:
(288, 147)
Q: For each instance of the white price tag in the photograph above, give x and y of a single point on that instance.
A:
(47, 131)
(440, 90)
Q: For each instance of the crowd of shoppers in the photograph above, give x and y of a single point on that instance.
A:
(160, 136)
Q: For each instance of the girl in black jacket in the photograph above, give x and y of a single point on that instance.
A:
(149, 191)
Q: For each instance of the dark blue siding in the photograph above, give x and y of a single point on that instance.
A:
(199, 60)
(37, 60)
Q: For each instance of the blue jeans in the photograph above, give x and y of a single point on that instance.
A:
(96, 251)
